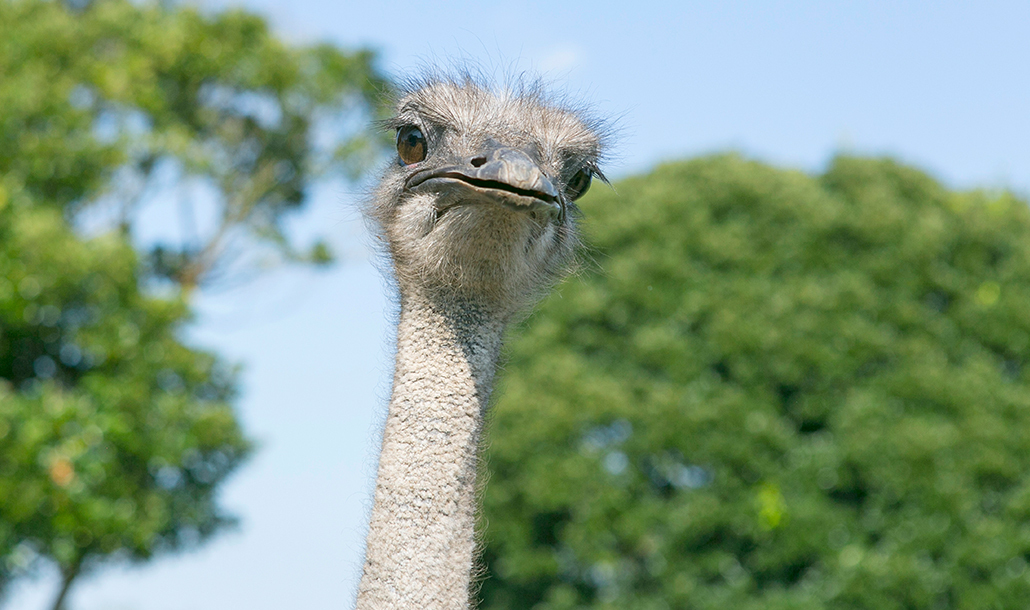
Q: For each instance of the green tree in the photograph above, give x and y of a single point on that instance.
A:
(106, 107)
(114, 434)
(772, 391)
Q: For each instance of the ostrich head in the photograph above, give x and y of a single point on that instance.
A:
(479, 205)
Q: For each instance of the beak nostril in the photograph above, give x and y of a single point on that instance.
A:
(478, 161)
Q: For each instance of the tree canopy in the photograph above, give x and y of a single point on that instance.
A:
(771, 390)
(114, 432)
(110, 105)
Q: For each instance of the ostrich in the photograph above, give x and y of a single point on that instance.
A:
(478, 218)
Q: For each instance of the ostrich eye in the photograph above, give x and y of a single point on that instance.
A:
(411, 144)
(579, 184)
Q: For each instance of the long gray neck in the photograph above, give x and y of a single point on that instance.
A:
(421, 546)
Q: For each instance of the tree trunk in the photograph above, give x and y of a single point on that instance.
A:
(67, 577)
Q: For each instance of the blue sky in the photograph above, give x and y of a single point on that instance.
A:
(942, 85)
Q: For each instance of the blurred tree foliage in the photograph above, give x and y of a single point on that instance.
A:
(114, 434)
(781, 392)
(115, 102)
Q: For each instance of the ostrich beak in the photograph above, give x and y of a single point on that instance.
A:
(501, 173)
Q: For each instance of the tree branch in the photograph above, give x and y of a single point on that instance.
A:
(67, 576)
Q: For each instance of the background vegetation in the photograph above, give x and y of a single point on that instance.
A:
(115, 434)
(772, 390)
(766, 390)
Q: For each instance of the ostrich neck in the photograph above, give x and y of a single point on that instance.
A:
(421, 543)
